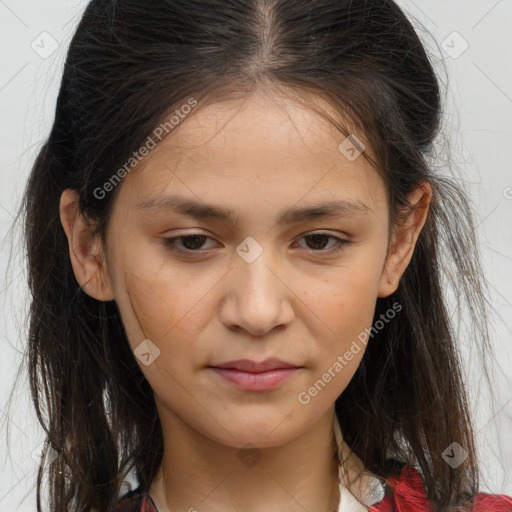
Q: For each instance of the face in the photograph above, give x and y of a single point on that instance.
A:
(252, 283)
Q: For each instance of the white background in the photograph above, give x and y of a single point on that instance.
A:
(479, 108)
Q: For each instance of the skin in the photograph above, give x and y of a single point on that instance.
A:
(297, 301)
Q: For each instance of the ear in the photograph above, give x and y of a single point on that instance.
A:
(85, 249)
(404, 239)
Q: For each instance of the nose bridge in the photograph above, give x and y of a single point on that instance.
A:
(260, 298)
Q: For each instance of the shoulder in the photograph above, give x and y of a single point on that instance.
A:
(135, 501)
(407, 493)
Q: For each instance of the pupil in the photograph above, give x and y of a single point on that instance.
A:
(316, 237)
(193, 238)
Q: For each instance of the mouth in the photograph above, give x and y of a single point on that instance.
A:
(247, 365)
(256, 376)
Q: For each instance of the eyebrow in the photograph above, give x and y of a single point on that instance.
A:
(199, 210)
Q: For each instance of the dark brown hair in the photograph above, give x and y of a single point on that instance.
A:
(130, 64)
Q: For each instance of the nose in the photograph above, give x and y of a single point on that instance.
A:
(257, 298)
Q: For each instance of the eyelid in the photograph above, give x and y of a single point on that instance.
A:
(169, 243)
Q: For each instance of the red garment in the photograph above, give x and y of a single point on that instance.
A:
(147, 505)
(408, 496)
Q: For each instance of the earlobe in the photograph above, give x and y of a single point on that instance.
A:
(404, 240)
(85, 249)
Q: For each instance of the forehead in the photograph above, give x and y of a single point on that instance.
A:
(262, 118)
(260, 139)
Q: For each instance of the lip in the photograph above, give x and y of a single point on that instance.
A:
(247, 365)
(253, 376)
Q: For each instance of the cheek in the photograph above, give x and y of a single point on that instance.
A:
(171, 308)
(150, 307)
(163, 313)
(346, 304)
(162, 306)
(346, 301)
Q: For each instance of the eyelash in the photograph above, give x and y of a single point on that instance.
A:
(340, 244)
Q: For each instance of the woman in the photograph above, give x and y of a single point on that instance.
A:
(188, 321)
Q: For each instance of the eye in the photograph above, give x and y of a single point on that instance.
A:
(191, 243)
(194, 242)
(318, 241)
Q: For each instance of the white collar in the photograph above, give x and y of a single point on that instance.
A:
(369, 489)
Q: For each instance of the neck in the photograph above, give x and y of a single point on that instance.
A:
(198, 473)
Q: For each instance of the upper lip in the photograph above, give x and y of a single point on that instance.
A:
(247, 365)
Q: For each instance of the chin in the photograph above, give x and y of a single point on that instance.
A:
(259, 429)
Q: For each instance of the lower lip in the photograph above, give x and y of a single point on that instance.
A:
(262, 381)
